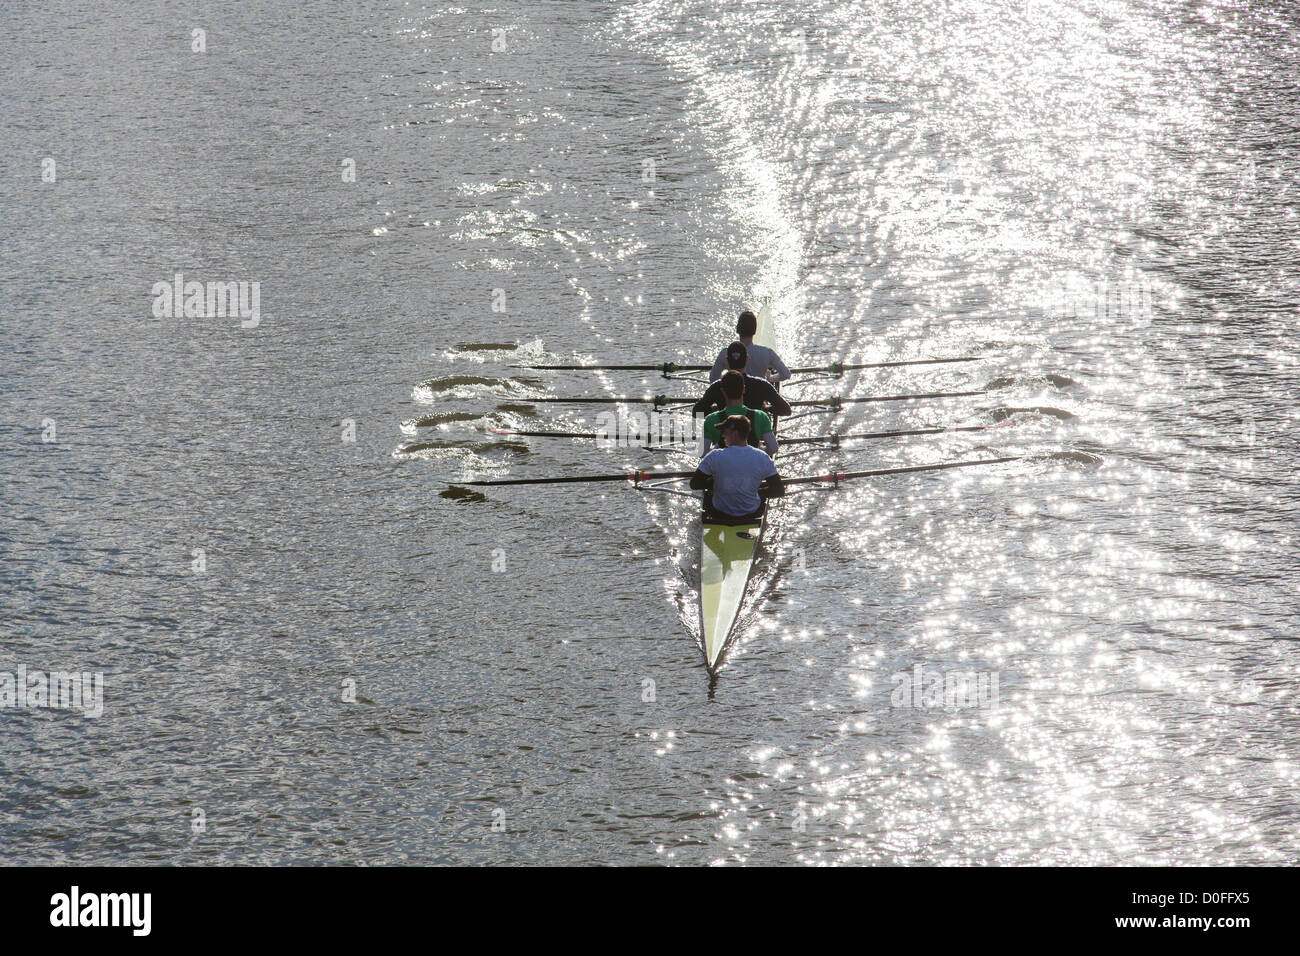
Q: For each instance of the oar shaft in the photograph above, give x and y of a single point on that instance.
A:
(807, 440)
(669, 367)
(617, 400)
(639, 476)
(666, 367)
(526, 434)
(627, 476)
(880, 472)
(836, 401)
(593, 436)
(906, 433)
(841, 367)
(658, 400)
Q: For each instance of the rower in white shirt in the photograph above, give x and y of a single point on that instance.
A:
(763, 362)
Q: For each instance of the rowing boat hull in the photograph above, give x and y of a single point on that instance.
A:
(727, 558)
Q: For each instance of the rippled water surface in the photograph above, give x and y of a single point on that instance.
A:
(244, 528)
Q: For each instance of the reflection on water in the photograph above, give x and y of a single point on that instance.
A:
(1085, 656)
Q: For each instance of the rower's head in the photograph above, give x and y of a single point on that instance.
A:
(735, 430)
(733, 386)
(747, 325)
(737, 356)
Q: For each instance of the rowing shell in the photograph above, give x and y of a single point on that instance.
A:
(727, 551)
(727, 556)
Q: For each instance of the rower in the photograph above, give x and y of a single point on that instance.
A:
(759, 392)
(733, 390)
(763, 361)
(738, 478)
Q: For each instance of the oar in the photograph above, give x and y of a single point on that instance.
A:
(527, 434)
(635, 476)
(836, 368)
(836, 401)
(837, 477)
(834, 477)
(658, 400)
(834, 440)
(667, 368)
(655, 400)
(839, 368)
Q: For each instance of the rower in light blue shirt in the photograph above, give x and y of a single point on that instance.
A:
(763, 362)
(738, 478)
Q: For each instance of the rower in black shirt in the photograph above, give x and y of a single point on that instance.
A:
(759, 392)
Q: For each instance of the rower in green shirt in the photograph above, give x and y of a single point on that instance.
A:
(733, 389)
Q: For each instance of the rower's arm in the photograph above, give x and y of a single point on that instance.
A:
(780, 406)
(782, 373)
(772, 487)
(709, 402)
(712, 434)
(719, 366)
(770, 441)
(701, 482)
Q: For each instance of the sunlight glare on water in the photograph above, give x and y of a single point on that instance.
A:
(1086, 655)
(999, 177)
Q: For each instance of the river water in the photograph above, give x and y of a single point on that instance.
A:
(313, 652)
